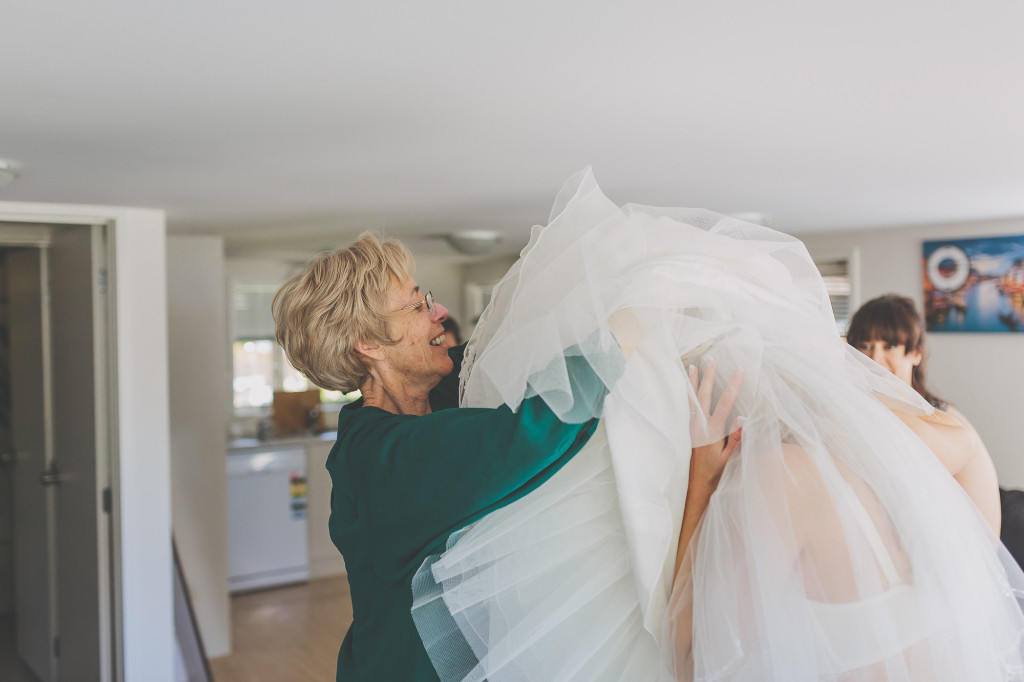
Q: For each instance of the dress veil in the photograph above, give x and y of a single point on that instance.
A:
(836, 546)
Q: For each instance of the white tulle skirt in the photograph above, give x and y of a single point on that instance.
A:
(836, 546)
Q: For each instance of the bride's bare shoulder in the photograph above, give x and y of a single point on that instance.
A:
(948, 437)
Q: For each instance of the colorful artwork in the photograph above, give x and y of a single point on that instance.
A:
(974, 285)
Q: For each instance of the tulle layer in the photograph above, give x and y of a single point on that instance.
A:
(836, 546)
(519, 581)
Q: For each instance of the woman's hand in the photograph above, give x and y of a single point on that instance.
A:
(709, 457)
(712, 445)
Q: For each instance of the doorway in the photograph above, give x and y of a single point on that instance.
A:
(53, 402)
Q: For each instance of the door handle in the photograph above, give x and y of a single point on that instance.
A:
(51, 477)
(12, 457)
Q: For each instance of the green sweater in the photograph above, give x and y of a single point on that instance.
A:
(403, 484)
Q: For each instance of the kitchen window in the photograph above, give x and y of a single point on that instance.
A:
(259, 365)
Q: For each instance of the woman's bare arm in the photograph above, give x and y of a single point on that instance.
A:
(707, 462)
(957, 445)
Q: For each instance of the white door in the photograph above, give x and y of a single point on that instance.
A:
(63, 575)
(32, 441)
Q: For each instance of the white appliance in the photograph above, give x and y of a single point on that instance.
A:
(267, 543)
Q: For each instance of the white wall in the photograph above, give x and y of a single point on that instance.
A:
(199, 410)
(982, 374)
(443, 277)
(488, 272)
(143, 441)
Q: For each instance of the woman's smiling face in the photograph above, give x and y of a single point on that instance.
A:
(421, 351)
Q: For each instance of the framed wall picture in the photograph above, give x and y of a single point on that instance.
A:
(974, 285)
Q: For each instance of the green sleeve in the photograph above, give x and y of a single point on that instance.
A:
(435, 474)
(430, 475)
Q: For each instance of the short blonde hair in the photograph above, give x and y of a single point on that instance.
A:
(336, 301)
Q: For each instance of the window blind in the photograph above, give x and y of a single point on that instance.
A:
(836, 274)
(251, 304)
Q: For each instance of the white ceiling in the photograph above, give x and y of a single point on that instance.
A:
(298, 124)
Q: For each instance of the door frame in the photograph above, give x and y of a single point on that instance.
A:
(140, 617)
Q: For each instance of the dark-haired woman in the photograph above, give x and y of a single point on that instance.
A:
(888, 330)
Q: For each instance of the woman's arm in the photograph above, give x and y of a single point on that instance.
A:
(418, 478)
(707, 462)
(956, 444)
(978, 475)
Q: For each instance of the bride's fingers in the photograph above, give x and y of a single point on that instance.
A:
(728, 398)
(735, 435)
(691, 372)
(707, 384)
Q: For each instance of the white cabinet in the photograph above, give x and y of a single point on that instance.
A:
(263, 539)
(267, 539)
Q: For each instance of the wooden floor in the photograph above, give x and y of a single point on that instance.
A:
(290, 634)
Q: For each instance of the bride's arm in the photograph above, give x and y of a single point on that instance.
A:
(714, 447)
(707, 462)
(706, 465)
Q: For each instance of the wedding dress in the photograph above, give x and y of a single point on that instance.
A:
(836, 547)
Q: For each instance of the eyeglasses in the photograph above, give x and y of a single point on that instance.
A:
(428, 299)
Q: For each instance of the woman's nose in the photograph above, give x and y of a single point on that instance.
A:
(440, 312)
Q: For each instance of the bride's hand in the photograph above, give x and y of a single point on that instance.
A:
(712, 450)
(713, 446)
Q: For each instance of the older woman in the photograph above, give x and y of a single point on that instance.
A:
(407, 472)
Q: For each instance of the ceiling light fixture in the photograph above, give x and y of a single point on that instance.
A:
(9, 170)
(473, 242)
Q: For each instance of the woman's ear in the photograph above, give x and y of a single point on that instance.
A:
(916, 356)
(370, 350)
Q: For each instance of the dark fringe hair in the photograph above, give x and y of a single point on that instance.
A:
(894, 319)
